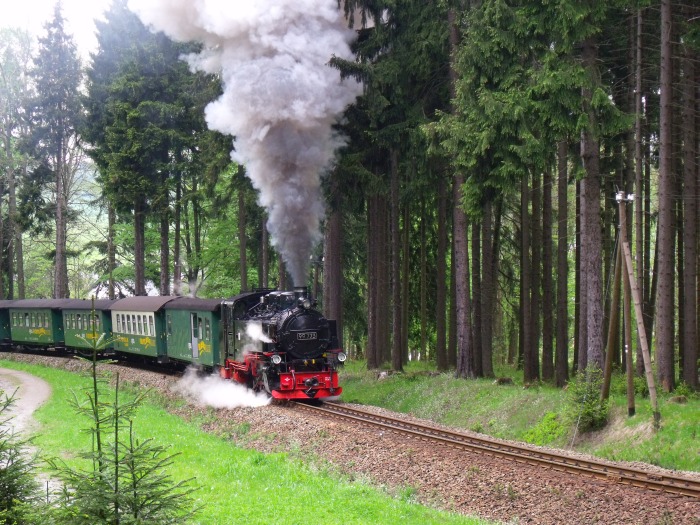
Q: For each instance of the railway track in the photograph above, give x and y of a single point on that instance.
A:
(678, 485)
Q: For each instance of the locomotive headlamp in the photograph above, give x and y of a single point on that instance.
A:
(277, 359)
(342, 356)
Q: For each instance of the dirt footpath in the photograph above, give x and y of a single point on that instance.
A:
(30, 393)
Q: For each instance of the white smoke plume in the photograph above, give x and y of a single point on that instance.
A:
(255, 332)
(280, 98)
(216, 392)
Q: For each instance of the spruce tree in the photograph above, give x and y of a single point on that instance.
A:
(126, 479)
(19, 490)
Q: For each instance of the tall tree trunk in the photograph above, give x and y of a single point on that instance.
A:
(665, 270)
(452, 319)
(396, 350)
(139, 246)
(547, 279)
(477, 297)
(61, 264)
(177, 259)
(164, 206)
(690, 219)
(164, 255)
(465, 350)
(405, 280)
(265, 254)
(243, 239)
(580, 313)
(424, 287)
(281, 273)
(591, 222)
(372, 352)
(561, 367)
(536, 268)
(441, 278)
(14, 231)
(639, 167)
(489, 243)
(460, 262)
(526, 313)
(111, 250)
(333, 263)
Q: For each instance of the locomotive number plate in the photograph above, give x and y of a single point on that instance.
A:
(307, 336)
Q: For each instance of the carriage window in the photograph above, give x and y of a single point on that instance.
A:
(207, 330)
(98, 323)
(128, 324)
(78, 321)
(195, 330)
(151, 326)
(33, 321)
(46, 320)
(26, 319)
(14, 319)
(140, 325)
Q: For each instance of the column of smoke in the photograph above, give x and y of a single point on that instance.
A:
(280, 98)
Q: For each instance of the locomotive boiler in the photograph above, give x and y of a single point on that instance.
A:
(277, 342)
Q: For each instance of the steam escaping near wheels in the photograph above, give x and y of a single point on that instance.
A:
(280, 100)
(218, 393)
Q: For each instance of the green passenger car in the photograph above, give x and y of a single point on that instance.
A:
(138, 326)
(194, 331)
(78, 322)
(5, 322)
(37, 322)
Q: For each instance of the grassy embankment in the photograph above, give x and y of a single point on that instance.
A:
(234, 485)
(539, 414)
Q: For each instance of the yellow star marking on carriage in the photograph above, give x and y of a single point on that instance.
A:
(203, 347)
(41, 332)
(147, 342)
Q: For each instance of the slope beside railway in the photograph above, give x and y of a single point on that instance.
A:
(441, 478)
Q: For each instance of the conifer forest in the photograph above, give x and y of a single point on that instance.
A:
(473, 183)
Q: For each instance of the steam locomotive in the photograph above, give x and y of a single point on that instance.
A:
(271, 341)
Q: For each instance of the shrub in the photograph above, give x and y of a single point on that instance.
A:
(586, 410)
(546, 431)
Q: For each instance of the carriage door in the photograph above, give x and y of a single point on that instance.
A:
(196, 332)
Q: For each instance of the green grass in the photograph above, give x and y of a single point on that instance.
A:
(538, 414)
(234, 485)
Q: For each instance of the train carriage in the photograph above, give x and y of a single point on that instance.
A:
(79, 321)
(37, 322)
(5, 335)
(138, 326)
(194, 331)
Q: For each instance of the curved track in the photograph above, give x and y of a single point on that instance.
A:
(678, 485)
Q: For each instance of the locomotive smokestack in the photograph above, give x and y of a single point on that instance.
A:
(280, 99)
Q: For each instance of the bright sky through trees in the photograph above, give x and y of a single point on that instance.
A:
(33, 14)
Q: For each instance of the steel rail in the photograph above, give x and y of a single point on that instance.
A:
(678, 485)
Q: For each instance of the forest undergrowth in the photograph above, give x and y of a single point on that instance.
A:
(537, 413)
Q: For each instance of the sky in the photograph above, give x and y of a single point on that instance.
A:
(32, 15)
